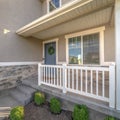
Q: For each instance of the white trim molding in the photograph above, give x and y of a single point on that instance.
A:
(99, 30)
(18, 63)
(86, 32)
(49, 41)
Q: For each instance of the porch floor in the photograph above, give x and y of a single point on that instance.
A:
(79, 99)
(34, 83)
(93, 104)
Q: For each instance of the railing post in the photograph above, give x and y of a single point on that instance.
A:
(64, 78)
(112, 86)
(39, 73)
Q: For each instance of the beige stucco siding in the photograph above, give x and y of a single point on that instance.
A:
(109, 44)
(13, 15)
(62, 49)
(44, 7)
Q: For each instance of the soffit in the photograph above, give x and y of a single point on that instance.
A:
(78, 16)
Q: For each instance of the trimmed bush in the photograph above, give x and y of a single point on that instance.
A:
(39, 98)
(109, 118)
(55, 106)
(80, 112)
(17, 113)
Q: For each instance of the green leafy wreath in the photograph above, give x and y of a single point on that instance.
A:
(51, 50)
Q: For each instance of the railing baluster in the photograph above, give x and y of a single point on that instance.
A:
(103, 84)
(81, 74)
(72, 78)
(49, 75)
(91, 82)
(54, 76)
(48, 70)
(44, 75)
(97, 82)
(60, 77)
(57, 76)
(86, 87)
(68, 77)
(76, 79)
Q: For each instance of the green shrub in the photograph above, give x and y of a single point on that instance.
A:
(39, 98)
(55, 106)
(109, 118)
(80, 112)
(17, 113)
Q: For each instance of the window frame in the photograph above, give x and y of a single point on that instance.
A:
(99, 30)
(48, 5)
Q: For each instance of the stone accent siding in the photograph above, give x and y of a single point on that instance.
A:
(11, 76)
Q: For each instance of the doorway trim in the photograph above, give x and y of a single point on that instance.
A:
(49, 41)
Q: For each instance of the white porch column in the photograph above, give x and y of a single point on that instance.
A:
(117, 40)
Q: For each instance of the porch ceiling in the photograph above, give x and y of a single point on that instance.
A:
(78, 15)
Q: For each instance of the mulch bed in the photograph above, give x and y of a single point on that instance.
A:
(33, 112)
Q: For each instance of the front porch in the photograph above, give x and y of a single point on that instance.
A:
(90, 29)
(93, 82)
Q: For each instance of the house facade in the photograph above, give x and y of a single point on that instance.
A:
(76, 43)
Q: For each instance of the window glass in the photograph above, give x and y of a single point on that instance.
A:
(91, 49)
(53, 4)
(75, 50)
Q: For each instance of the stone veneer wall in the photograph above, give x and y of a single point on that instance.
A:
(11, 76)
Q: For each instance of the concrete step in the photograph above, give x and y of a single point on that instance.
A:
(22, 97)
(25, 89)
(7, 102)
(30, 84)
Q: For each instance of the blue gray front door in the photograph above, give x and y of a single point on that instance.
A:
(50, 53)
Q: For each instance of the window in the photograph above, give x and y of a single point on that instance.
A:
(84, 49)
(54, 4)
(75, 50)
(91, 49)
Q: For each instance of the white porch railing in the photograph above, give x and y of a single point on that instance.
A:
(94, 82)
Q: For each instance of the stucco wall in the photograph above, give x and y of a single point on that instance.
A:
(109, 44)
(13, 15)
(62, 49)
(44, 7)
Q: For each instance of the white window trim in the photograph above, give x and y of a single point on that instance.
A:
(49, 41)
(87, 32)
(48, 5)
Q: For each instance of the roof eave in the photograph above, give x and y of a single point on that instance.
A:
(50, 16)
